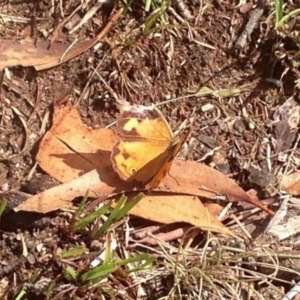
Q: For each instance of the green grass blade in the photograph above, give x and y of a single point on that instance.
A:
(112, 216)
(119, 212)
(74, 252)
(78, 211)
(3, 204)
(152, 19)
(70, 273)
(34, 277)
(134, 259)
(21, 295)
(91, 217)
(286, 17)
(99, 272)
(128, 206)
(148, 5)
(109, 250)
(127, 5)
(80, 208)
(145, 260)
(50, 290)
(278, 11)
(143, 266)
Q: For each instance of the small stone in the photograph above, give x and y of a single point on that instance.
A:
(96, 245)
(239, 126)
(207, 107)
(31, 258)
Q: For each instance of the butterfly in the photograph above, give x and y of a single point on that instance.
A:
(147, 145)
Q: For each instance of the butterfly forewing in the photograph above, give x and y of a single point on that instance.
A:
(166, 161)
(147, 146)
(140, 122)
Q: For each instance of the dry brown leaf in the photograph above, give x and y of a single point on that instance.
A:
(178, 208)
(62, 195)
(198, 179)
(287, 116)
(69, 151)
(214, 209)
(291, 183)
(39, 54)
(165, 209)
(42, 54)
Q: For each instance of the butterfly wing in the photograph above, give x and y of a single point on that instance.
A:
(145, 139)
(164, 161)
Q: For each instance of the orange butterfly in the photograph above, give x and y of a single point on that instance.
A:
(147, 146)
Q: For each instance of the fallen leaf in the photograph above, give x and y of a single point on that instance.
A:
(287, 115)
(197, 179)
(166, 209)
(62, 195)
(223, 93)
(290, 228)
(80, 158)
(42, 54)
(291, 183)
(67, 152)
(178, 208)
(214, 209)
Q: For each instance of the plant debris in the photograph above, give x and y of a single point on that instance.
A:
(79, 236)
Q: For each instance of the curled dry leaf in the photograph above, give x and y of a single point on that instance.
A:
(291, 183)
(287, 116)
(165, 209)
(42, 54)
(79, 157)
(39, 54)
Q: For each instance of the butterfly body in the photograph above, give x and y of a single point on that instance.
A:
(147, 145)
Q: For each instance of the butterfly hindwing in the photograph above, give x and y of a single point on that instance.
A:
(147, 145)
(167, 161)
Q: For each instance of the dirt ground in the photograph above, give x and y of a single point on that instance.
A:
(144, 60)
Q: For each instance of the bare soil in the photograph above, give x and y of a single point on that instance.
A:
(172, 59)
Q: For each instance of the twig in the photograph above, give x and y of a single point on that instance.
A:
(60, 25)
(84, 91)
(280, 214)
(183, 9)
(224, 211)
(67, 50)
(21, 118)
(40, 86)
(241, 226)
(292, 293)
(254, 17)
(289, 160)
(88, 15)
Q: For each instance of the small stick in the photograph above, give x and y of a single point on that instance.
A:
(88, 15)
(248, 235)
(292, 293)
(254, 17)
(280, 214)
(183, 9)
